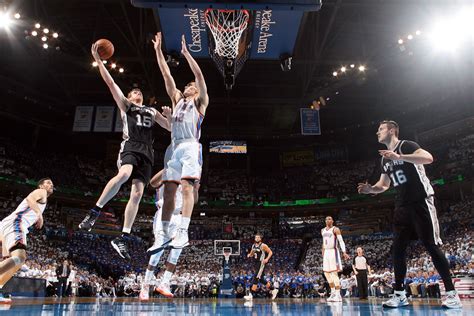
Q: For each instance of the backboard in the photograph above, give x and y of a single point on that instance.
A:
(271, 33)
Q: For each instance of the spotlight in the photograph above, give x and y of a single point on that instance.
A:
(334, 74)
(95, 64)
(410, 37)
(5, 20)
(104, 62)
(34, 33)
(45, 46)
(343, 69)
(337, 92)
(17, 15)
(114, 65)
(400, 41)
(361, 68)
(121, 70)
(44, 38)
(55, 35)
(37, 25)
(327, 99)
(418, 32)
(352, 65)
(46, 31)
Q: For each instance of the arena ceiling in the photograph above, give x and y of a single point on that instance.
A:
(49, 83)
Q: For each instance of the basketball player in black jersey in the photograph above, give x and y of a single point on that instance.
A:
(415, 214)
(261, 253)
(135, 158)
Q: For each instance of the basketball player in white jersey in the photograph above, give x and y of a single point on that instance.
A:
(332, 242)
(135, 159)
(15, 227)
(184, 167)
(164, 287)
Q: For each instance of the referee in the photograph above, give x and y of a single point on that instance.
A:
(360, 267)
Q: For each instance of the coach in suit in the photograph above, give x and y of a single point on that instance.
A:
(62, 273)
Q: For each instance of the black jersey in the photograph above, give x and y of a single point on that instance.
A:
(138, 124)
(410, 180)
(258, 253)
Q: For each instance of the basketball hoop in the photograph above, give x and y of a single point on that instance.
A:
(227, 27)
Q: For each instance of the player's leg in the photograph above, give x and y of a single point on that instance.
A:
(187, 190)
(110, 190)
(400, 243)
(337, 286)
(332, 286)
(427, 229)
(191, 171)
(9, 267)
(169, 196)
(164, 287)
(149, 274)
(131, 209)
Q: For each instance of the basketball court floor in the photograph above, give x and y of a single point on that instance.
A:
(227, 307)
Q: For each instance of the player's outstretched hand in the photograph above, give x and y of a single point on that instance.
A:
(157, 41)
(95, 53)
(184, 48)
(389, 154)
(167, 112)
(364, 188)
(346, 256)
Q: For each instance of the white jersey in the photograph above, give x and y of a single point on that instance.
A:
(329, 238)
(24, 215)
(178, 202)
(186, 123)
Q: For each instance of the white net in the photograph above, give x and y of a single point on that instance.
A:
(227, 27)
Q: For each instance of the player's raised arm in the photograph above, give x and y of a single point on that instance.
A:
(162, 120)
(117, 93)
(32, 199)
(198, 76)
(170, 85)
(381, 186)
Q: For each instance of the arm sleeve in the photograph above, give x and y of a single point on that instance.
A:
(409, 147)
(341, 243)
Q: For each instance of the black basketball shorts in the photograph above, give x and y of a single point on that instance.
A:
(418, 221)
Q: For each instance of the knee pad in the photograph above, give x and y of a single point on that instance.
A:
(174, 256)
(155, 258)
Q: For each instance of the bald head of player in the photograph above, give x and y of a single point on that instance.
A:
(46, 184)
(387, 132)
(191, 90)
(135, 96)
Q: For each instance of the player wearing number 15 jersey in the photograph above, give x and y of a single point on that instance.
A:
(135, 159)
(415, 214)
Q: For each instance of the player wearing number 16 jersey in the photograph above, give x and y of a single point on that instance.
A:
(135, 158)
(415, 214)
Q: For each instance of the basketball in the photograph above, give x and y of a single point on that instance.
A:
(105, 48)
